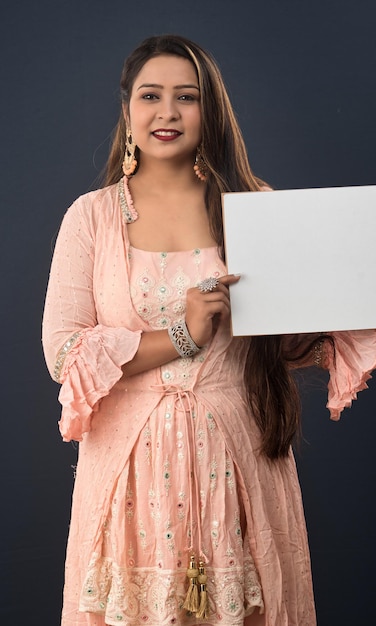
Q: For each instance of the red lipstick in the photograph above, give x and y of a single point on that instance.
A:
(166, 134)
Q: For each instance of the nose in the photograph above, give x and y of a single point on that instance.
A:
(167, 109)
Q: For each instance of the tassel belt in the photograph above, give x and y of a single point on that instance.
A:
(196, 600)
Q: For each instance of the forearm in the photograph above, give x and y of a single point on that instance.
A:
(155, 349)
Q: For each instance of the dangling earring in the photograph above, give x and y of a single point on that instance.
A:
(130, 162)
(200, 167)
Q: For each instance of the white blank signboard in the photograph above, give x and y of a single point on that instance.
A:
(307, 259)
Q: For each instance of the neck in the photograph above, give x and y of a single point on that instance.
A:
(160, 174)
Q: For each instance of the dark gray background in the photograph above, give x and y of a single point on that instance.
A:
(301, 75)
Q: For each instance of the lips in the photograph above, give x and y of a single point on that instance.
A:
(164, 134)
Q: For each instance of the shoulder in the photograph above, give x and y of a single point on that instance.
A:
(103, 200)
(94, 207)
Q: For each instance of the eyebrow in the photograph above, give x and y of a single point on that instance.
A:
(155, 86)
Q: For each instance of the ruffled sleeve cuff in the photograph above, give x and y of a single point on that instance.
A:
(91, 368)
(349, 367)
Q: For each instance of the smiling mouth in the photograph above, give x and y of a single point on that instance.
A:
(166, 134)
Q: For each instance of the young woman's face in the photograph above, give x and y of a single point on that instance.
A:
(164, 109)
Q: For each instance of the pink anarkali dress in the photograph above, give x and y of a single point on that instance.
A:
(169, 461)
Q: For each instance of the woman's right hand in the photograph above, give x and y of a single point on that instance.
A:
(202, 309)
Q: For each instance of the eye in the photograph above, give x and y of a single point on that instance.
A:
(186, 97)
(149, 96)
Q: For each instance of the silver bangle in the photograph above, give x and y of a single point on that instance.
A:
(318, 352)
(182, 341)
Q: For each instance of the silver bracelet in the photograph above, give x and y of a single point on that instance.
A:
(182, 341)
(318, 352)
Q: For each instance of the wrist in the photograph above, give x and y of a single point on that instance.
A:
(320, 352)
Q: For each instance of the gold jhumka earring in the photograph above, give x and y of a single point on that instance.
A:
(200, 167)
(130, 162)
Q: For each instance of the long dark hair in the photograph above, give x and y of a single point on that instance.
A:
(272, 392)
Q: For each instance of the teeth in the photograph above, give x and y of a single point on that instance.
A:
(165, 133)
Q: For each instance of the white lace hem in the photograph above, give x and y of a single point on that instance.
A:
(155, 597)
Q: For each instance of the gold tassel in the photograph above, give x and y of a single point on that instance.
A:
(203, 610)
(191, 602)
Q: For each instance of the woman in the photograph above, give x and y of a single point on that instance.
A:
(186, 504)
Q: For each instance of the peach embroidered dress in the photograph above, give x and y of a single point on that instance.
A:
(168, 460)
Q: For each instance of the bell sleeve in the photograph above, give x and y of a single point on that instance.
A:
(350, 365)
(349, 357)
(82, 355)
